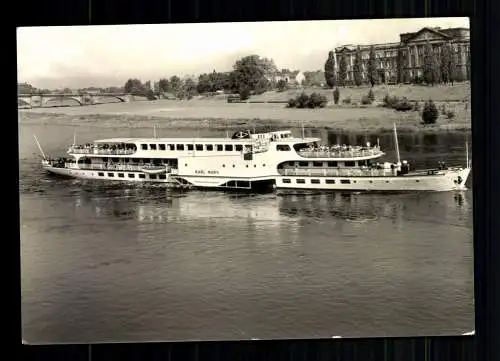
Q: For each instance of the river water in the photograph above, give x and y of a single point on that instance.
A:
(114, 262)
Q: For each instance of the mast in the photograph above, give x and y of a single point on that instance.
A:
(467, 154)
(74, 137)
(396, 144)
(154, 130)
(303, 130)
(39, 147)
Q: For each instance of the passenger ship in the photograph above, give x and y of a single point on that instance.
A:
(247, 160)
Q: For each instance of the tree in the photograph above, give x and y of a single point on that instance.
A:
(330, 77)
(134, 86)
(446, 63)
(175, 84)
(468, 65)
(430, 113)
(163, 85)
(430, 65)
(342, 70)
(282, 85)
(189, 87)
(336, 96)
(372, 67)
(204, 84)
(249, 73)
(357, 67)
(400, 66)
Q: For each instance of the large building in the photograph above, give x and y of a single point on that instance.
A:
(411, 49)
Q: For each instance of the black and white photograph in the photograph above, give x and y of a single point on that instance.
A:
(245, 181)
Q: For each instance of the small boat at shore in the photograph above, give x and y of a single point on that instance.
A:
(253, 161)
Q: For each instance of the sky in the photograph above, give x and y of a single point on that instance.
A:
(84, 56)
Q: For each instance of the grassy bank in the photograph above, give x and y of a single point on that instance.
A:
(342, 118)
(440, 93)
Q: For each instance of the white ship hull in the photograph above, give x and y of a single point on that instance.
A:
(445, 180)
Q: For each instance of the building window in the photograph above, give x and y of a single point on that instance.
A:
(180, 146)
(315, 181)
(286, 180)
(301, 181)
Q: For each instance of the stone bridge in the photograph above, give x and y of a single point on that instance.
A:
(41, 100)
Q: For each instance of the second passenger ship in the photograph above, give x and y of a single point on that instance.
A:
(251, 161)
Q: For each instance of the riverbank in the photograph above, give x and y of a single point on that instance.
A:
(218, 115)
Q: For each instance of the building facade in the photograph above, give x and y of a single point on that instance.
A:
(409, 54)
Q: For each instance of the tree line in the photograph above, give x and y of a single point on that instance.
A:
(439, 67)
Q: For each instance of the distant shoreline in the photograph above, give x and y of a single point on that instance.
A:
(405, 123)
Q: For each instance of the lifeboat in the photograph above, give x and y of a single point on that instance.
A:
(154, 169)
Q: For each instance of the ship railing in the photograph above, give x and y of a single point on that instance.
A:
(113, 167)
(337, 172)
(340, 153)
(76, 150)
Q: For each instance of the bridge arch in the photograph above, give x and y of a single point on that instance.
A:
(121, 98)
(76, 99)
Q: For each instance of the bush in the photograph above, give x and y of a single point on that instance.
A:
(346, 100)
(244, 92)
(371, 95)
(282, 85)
(390, 102)
(403, 105)
(430, 113)
(336, 96)
(365, 100)
(315, 100)
(450, 114)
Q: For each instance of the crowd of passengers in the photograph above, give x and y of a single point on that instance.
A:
(338, 148)
(105, 147)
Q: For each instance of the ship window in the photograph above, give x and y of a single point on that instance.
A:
(238, 147)
(210, 147)
(115, 160)
(131, 175)
(345, 181)
(163, 176)
(185, 164)
(417, 181)
(349, 164)
(286, 180)
(234, 166)
(330, 181)
(387, 181)
(126, 160)
(255, 165)
(144, 146)
(263, 165)
(229, 147)
(171, 147)
(220, 148)
(303, 164)
(199, 146)
(246, 166)
(223, 166)
(142, 176)
(301, 181)
(283, 147)
(111, 174)
(152, 146)
(332, 164)
(317, 164)
(190, 147)
(362, 163)
(371, 181)
(162, 146)
(315, 181)
(121, 175)
(180, 146)
(152, 176)
(101, 174)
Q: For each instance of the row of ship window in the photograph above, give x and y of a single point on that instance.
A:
(191, 147)
(132, 175)
(327, 181)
